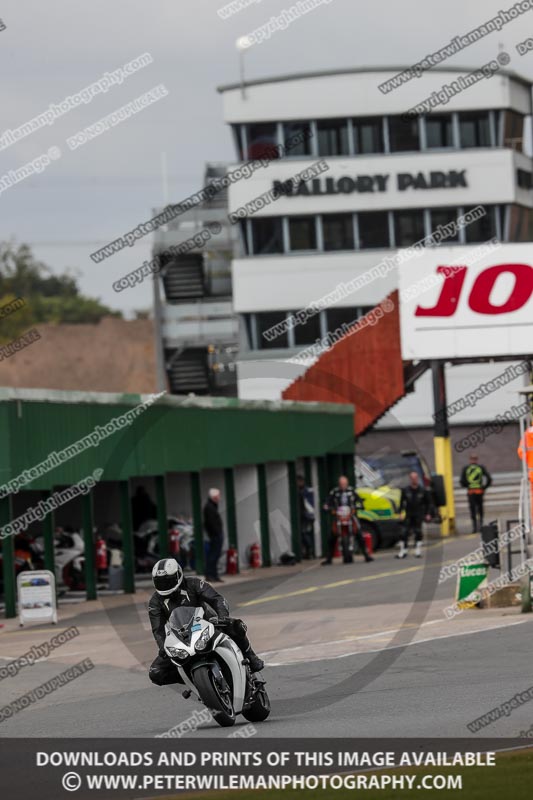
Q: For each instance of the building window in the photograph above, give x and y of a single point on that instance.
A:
(524, 179)
(374, 229)
(439, 131)
(267, 235)
(338, 232)
(332, 137)
(513, 130)
(520, 224)
(339, 316)
(238, 132)
(440, 217)
(249, 322)
(408, 227)
(243, 224)
(265, 321)
(474, 129)
(308, 332)
(297, 138)
(262, 141)
(368, 135)
(403, 135)
(302, 233)
(484, 228)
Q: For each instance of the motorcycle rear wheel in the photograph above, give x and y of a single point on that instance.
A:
(259, 710)
(217, 700)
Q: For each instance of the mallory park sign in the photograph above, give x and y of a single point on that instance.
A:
(373, 183)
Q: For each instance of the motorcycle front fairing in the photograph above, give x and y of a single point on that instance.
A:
(191, 640)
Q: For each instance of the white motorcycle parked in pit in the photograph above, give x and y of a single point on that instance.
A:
(214, 668)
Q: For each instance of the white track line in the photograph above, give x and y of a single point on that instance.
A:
(390, 647)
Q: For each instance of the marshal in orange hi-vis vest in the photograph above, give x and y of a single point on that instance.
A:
(528, 454)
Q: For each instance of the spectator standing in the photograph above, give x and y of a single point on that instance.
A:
(214, 528)
(416, 503)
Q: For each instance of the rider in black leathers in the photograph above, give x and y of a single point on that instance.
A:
(345, 495)
(173, 590)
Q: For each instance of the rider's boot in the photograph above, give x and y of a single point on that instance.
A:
(256, 663)
(403, 551)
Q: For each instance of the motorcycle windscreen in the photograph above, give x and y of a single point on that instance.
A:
(181, 622)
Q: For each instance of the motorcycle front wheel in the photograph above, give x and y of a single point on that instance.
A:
(216, 695)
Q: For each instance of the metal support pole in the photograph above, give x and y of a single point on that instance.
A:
(296, 538)
(48, 535)
(8, 560)
(308, 471)
(196, 503)
(162, 522)
(88, 538)
(263, 515)
(442, 445)
(323, 490)
(127, 537)
(231, 513)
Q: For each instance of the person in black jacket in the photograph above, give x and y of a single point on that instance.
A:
(345, 496)
(172, 589)
(214, 527)
(416, 503)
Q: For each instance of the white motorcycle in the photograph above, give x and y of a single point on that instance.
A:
(214, 668)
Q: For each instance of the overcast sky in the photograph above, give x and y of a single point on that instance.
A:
(92, 195)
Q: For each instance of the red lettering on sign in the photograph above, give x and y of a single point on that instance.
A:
(446, 305)
(479, 299)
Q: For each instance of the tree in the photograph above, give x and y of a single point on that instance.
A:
(47, 297)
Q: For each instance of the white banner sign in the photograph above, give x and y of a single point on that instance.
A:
(462, 302)
(36, 591)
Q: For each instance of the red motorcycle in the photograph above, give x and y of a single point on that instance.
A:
(345, 525)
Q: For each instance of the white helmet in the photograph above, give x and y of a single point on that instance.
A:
(167, 576)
